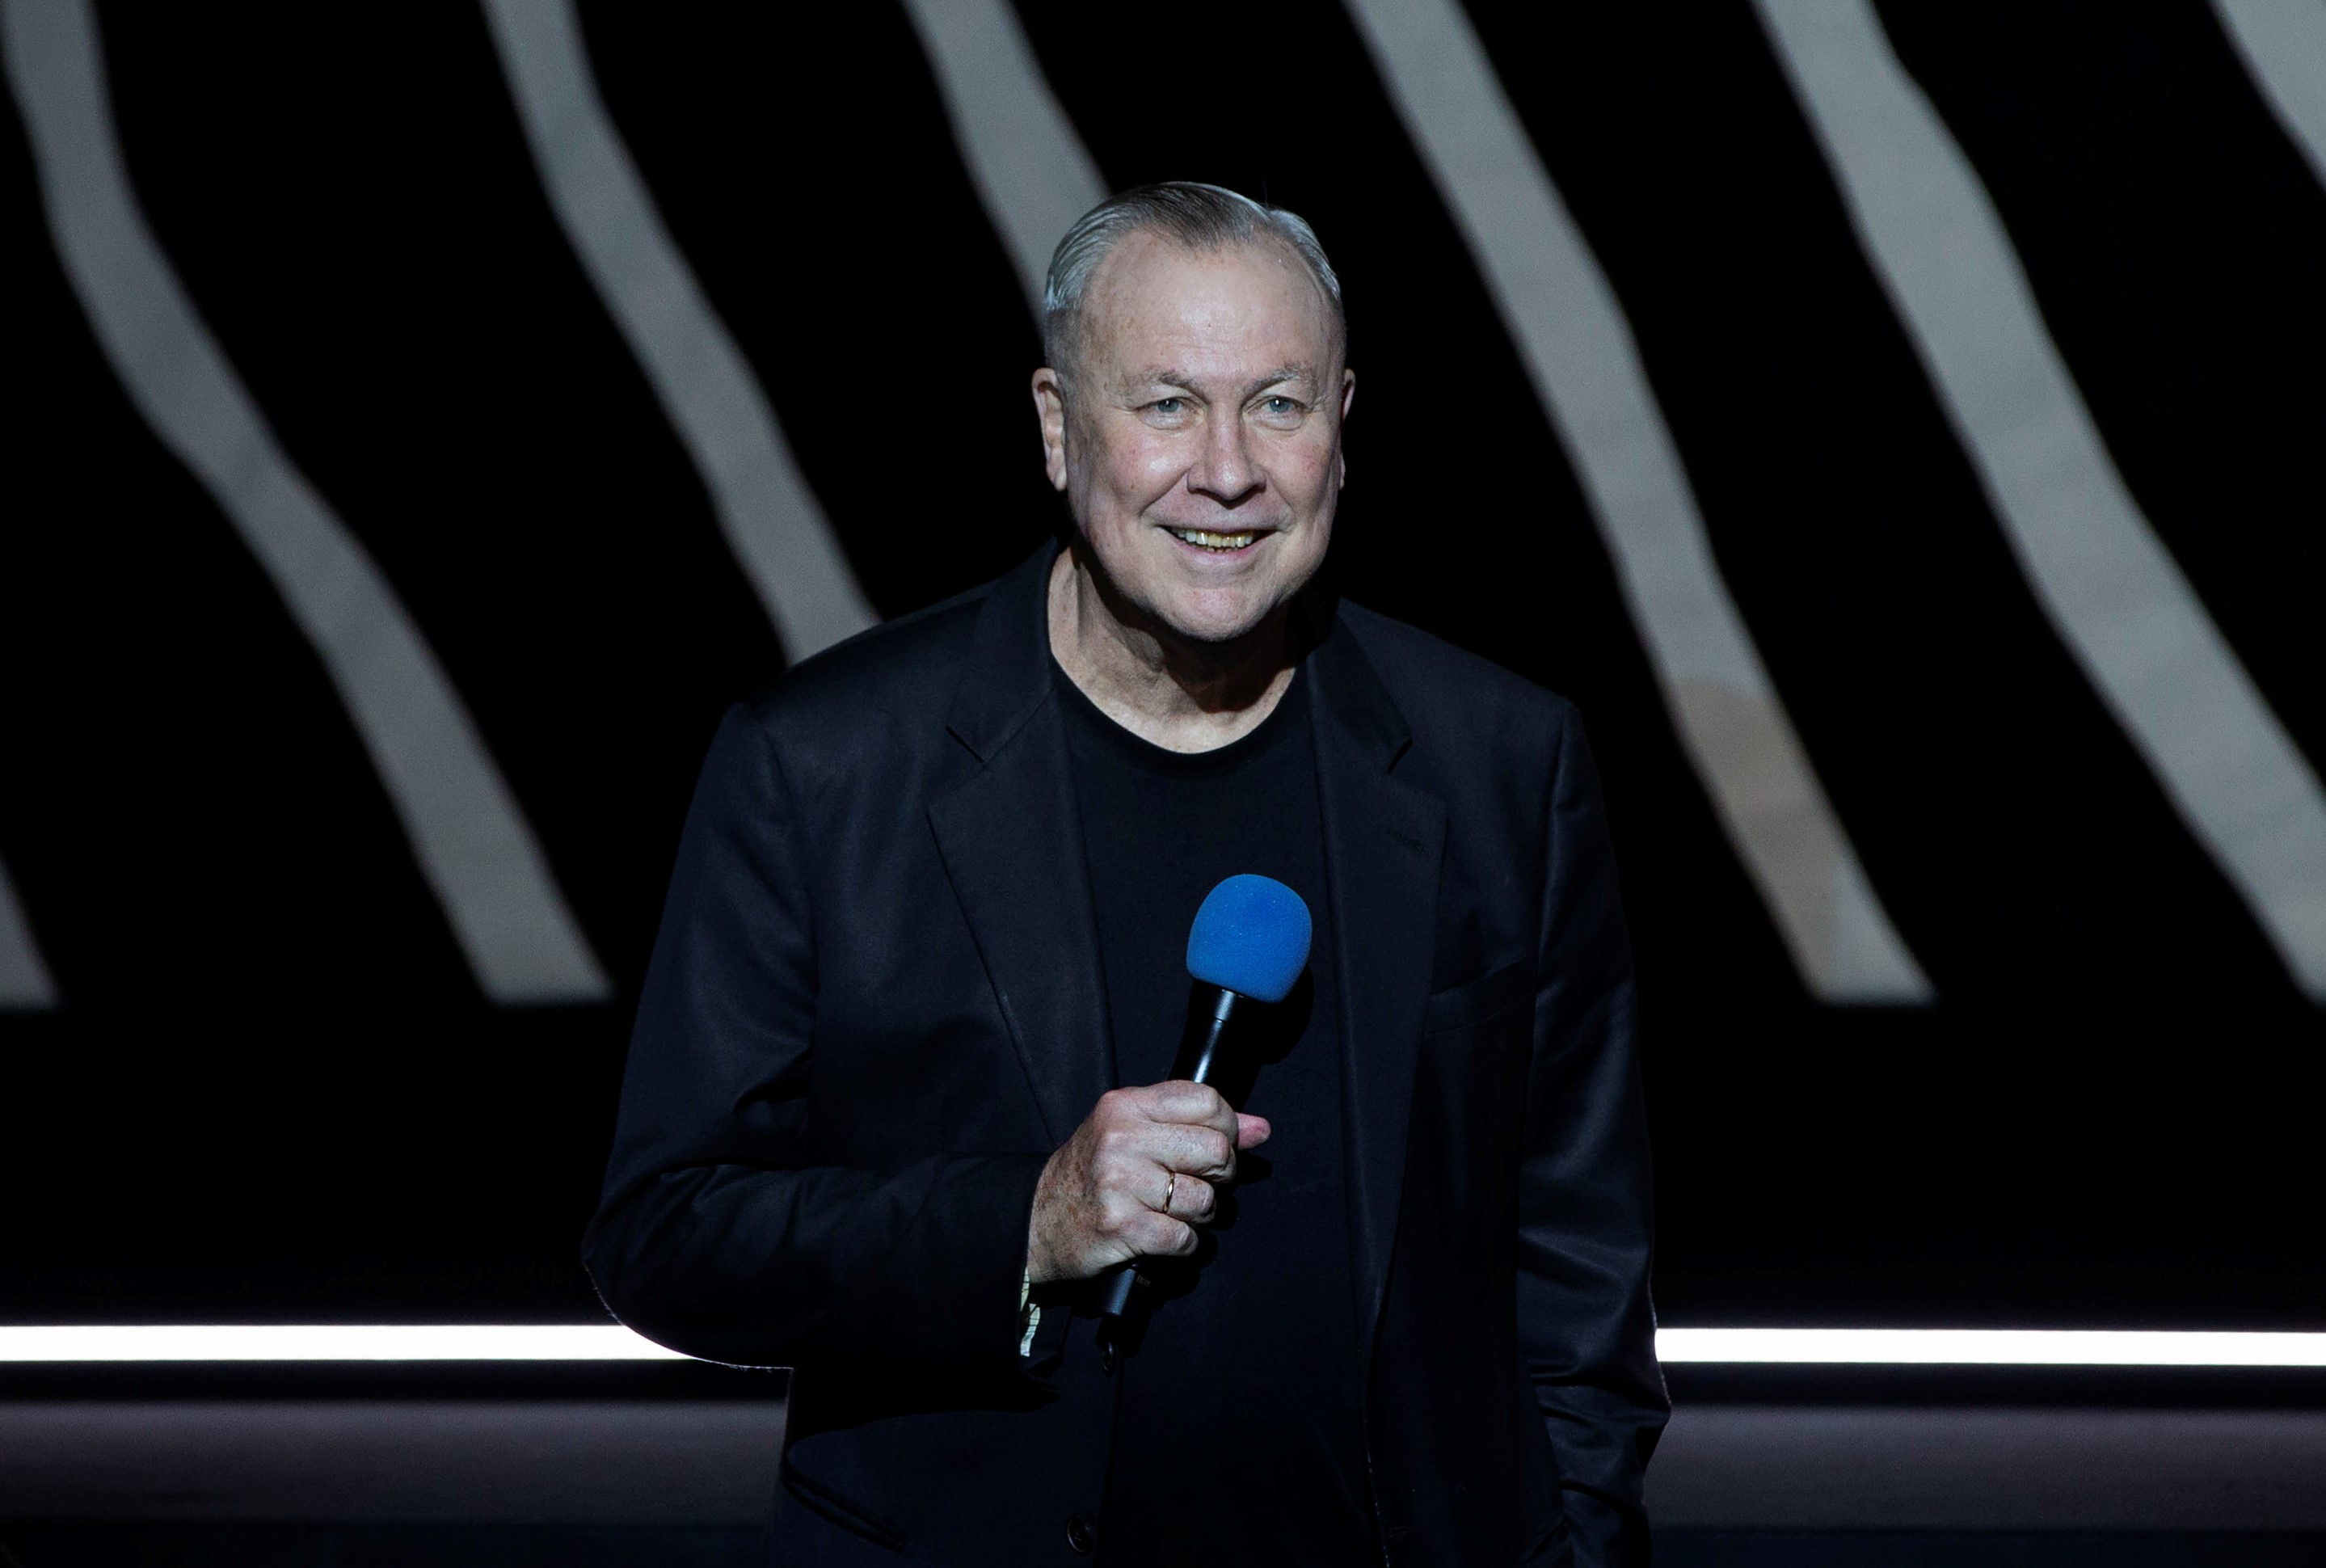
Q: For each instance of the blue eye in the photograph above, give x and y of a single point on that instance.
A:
(1170, 405)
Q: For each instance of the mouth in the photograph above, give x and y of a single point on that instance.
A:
(1219, 544)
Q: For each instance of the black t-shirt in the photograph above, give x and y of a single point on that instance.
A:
(1239, 1435)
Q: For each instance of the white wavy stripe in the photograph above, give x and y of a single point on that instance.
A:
(1029, 166)
(76, 1343)
(1035, 178)
(25, 986)
(472, 840)
(2283, 45)
(1578, 349)
(772, 519)
(2113, 591)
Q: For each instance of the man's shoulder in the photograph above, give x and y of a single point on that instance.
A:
(914, 661)
(1438, 685)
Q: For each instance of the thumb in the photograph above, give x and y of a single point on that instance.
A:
(1252, 1132)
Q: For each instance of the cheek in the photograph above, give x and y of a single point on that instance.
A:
(1141, 470)
(1307, 470)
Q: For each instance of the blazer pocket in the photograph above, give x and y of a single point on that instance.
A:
(1474, 1002)
(1555, 1547)
(848, 1516)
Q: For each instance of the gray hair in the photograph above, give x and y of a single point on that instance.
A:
(1198, 216)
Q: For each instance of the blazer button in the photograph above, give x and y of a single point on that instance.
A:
(1080, 1535)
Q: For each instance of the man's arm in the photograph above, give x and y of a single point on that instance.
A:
(721, 1235)
(1586, 1328)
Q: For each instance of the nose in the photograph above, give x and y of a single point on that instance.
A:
(1224, 470)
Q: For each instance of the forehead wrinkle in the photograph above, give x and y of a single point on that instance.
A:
(1299, 370)
(1172, 376)
(1110, 294)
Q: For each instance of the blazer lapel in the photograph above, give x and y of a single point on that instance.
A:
(1011, 841)
(1384, 840)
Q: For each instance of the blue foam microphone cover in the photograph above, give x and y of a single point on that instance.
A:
(1250, 937)
(1249, 941)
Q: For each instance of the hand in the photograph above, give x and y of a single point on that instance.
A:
(1101, 1199)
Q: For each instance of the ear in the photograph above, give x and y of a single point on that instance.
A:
(1050, 409)
(1348, 401)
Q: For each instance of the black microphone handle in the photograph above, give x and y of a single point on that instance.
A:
(1211, 1012)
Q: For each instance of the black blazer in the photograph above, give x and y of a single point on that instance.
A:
(875, 1008)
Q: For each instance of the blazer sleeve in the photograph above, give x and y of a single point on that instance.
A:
(721, 1233)
(1587, 1329)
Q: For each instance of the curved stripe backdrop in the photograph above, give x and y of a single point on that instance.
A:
(1895, 426)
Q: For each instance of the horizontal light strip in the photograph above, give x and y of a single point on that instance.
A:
(612, 1343)
(331, 1342)
(1990, 1347)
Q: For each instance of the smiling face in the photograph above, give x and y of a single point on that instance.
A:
(1198, 432)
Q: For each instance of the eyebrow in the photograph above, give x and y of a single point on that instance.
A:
(1173, 376)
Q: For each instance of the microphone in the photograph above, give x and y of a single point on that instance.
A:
(1245, 951)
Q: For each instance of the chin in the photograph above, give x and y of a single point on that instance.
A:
(1208, 620)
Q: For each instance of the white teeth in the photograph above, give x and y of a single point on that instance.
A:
(1211, 541)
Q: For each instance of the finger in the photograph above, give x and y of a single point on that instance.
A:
(1193, 1199)
(1192, 1104)
(1203, 1151)
(1163, 1237)
(1252, 1132)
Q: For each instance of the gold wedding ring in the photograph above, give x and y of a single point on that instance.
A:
(1170, 1190)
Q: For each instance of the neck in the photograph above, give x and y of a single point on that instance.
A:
(1181, 696)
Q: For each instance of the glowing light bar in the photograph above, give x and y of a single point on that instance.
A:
(612, 1343)
(332, 1342)
(1990, 1347)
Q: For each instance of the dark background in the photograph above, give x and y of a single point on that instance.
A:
(272, 1090)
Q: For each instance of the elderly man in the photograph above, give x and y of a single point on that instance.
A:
(899, 1100)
